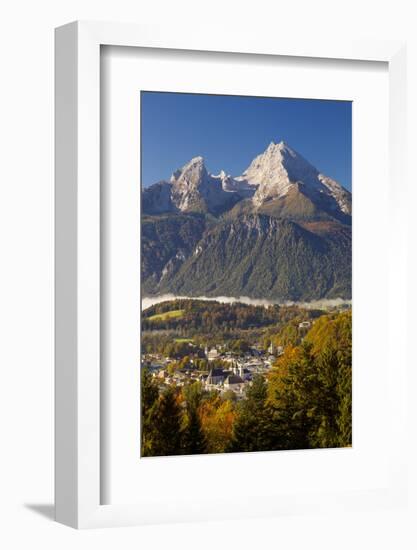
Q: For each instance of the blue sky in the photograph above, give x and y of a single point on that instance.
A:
(229, 131)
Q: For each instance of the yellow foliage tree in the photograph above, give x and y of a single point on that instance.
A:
(217, 417)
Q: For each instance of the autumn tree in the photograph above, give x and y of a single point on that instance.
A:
(217, 418)
(331, 340)
(311, 387)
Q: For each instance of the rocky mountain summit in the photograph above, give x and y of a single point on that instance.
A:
(281, 230)
(279, 168)
(193, 189)
(272, 176)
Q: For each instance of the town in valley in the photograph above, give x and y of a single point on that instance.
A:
(221, 367)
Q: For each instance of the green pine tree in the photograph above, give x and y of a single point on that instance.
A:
(295, 403)
(167, 419)
(254, 428)
(193, 438)
(149, 401)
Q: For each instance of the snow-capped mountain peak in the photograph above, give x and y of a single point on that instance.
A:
(191, 174)
(275, 170)
(269, 177)
(279, 168)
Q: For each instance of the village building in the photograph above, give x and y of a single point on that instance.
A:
(212, 354)
(215, 376)
(162, 374)
(275, 350)
(239, 370)
(234, 383)
(245, 374)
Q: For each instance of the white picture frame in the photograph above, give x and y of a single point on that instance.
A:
(77, 242)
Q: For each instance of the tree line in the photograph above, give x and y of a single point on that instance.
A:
(211, 323)
(206, 316)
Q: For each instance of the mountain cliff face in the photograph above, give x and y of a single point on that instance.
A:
(280, 168)
(279, 231)
(193, 189)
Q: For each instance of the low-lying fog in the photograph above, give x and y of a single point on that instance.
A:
(315, 304)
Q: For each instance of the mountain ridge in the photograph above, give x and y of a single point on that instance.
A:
(270, 176)
(280, 231)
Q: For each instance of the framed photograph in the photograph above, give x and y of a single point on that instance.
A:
(228, 213)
